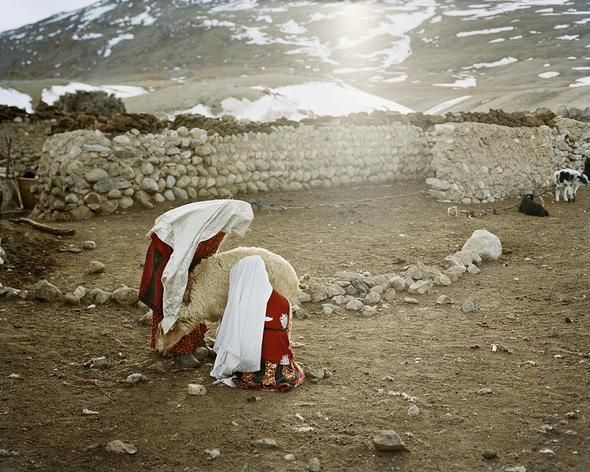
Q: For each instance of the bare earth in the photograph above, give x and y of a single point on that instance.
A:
(533, 302)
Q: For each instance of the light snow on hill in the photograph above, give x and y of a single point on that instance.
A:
(14, 98)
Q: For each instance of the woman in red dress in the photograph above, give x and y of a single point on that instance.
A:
(278, 369)
(151, 293)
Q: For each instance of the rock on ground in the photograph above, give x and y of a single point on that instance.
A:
(485, 244)
(196, 389)
(388, 440)
(95, 267)
(267, 443)
(46, 292)
(314, 465)
(121, 447)
(125, 296)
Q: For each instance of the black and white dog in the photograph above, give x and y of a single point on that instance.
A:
(530, 207)
(569, 180)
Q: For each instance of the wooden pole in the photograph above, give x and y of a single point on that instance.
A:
(43, 227)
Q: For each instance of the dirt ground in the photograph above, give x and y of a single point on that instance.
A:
(534, 301)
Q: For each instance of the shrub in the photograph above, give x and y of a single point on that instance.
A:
(99, 103)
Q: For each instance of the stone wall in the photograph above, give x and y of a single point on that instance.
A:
(83, 173)
(27, 142)
(572, 143)
(480, 163)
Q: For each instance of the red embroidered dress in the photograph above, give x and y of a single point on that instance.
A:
(151, 290)
(278, 369)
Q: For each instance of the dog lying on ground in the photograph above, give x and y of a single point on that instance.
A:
(529, 207)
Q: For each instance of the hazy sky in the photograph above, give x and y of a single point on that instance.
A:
(17, 13)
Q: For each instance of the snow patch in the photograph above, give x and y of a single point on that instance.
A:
(14, 98)
(498, 8)
(114, 41)
(583, 82)
(291, 27)
(86, 36)
(144, 19)
(93, 13)
(236, 5)
(211, 23)
(486, 65)
(446, 104)
(460, 83)
(485, 31)
(296, 102)
(321, 17)
(548, 75)
(399, 78)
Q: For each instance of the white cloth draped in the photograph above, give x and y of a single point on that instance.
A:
(183, 228)
(239, 336)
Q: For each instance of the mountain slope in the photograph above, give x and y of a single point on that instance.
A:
(420, 52)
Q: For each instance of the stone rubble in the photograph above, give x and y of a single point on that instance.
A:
(365, 293)
(362, 293)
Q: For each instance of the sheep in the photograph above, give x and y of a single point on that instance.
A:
(569, 180)
(210, 286)
(530, 207)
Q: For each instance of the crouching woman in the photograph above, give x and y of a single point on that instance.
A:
(253, 345)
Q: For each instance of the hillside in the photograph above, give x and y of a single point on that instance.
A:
(426, 56)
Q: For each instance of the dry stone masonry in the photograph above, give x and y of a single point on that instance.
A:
(480, 163)
(571, 143)
(83, 173)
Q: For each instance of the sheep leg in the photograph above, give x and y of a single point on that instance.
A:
(570, 193)
(557, 193)
(575, 190)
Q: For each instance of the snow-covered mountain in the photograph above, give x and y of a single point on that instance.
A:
(429, 55)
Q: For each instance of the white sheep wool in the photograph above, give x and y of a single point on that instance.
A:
(239, 336)
(183, 228)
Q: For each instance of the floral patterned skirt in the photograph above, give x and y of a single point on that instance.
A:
(272, 377)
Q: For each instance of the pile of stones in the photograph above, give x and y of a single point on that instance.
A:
(365, 292)
(45, 291)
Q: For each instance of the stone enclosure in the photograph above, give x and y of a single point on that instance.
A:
(83, 173)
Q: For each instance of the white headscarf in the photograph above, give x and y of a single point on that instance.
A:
(183, 228)
(239, 336)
